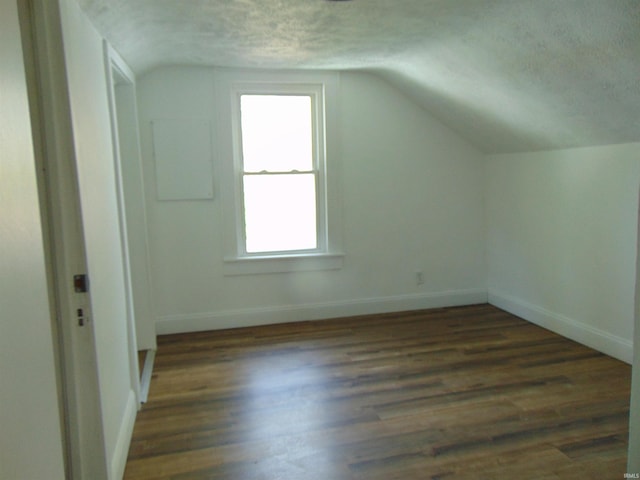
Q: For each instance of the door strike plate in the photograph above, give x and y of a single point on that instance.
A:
(80, 283)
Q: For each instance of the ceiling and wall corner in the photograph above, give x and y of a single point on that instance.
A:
(509, 76)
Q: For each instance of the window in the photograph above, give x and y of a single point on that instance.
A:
(280, 197)
(280, 173)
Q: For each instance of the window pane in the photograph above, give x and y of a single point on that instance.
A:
(276, 133)
(280, 212)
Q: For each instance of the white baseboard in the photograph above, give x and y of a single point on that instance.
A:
(123, 441)
(593, 337)
(294, 313)
(147, 371)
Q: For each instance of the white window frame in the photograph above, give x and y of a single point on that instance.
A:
(322, 88)
(315, 92)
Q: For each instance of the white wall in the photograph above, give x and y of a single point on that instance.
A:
(30, 433)
(412, 199)
(561, 241)
(95, 161)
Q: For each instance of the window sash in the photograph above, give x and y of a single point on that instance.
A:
(303, 155)
(317, 156)
(318, 227)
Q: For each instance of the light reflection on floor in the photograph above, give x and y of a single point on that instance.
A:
(281, 412)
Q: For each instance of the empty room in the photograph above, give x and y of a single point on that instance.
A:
(321, 239)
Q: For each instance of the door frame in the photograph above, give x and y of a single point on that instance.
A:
(633, 457)
(65, 252)
(115, 65)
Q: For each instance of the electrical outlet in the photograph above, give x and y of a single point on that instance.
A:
(419, 278)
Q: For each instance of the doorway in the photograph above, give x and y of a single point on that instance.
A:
(131, 204)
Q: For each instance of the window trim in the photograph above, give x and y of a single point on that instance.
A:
(229, 86)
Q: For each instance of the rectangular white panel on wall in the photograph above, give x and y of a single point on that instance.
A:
(182, 152)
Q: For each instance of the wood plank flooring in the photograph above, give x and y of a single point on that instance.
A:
(465, 392)
(142, 354)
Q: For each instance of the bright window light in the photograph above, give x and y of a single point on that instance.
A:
(276, 133)
(279, 174)
(280, 212)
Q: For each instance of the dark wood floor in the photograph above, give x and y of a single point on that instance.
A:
(468, 392)
(142, 354)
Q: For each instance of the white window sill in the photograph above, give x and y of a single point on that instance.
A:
(252, 265)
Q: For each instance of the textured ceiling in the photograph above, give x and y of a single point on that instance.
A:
(508, 75)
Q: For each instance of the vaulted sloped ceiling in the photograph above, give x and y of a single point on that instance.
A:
(508, 75)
